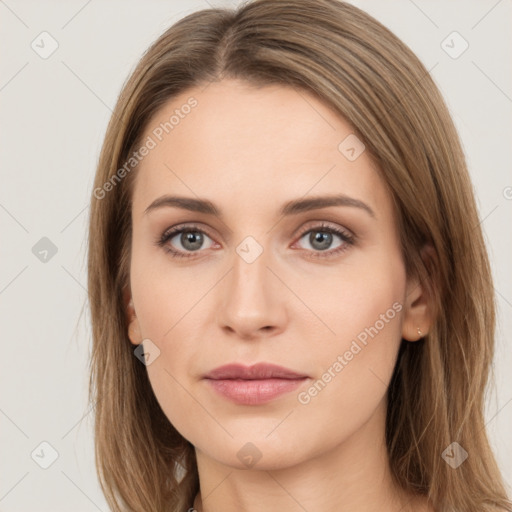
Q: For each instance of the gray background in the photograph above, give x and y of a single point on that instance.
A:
(54, 114)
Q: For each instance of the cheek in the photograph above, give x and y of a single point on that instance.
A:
(354, 370)
(168, 302)
(350, 386)
(359, 295)
(361, 312)
(164, 292)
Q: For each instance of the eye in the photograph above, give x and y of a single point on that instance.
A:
(191, 239)
(320, 239)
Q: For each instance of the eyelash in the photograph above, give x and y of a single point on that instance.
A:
(347, 238)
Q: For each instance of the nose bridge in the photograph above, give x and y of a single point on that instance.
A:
(251, 299)
(250, 276)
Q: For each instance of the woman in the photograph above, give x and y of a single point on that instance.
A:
(291, 299)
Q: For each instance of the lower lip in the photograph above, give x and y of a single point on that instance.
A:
(254, 392)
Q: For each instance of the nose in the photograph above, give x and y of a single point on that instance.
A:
(252, 301)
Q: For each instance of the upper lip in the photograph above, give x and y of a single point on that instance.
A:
(254, 372)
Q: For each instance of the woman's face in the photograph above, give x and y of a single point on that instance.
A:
(256, 284)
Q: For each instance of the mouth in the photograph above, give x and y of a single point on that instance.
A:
(253, 385)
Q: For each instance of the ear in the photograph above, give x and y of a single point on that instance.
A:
(418, 311)
(133, 324)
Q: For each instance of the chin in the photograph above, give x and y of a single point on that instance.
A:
(258, 452)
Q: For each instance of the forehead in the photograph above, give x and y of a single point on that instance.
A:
(253, 148)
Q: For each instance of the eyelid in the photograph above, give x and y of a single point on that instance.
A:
(185, 226)
(318, 225)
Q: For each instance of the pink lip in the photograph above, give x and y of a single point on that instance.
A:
(252, 385)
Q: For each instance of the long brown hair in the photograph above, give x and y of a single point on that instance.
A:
(374, 81)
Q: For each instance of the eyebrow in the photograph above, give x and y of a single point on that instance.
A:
(293, 207)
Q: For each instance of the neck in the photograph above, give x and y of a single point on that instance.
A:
(354, 475)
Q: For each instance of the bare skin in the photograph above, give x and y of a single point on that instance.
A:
(249, 151)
